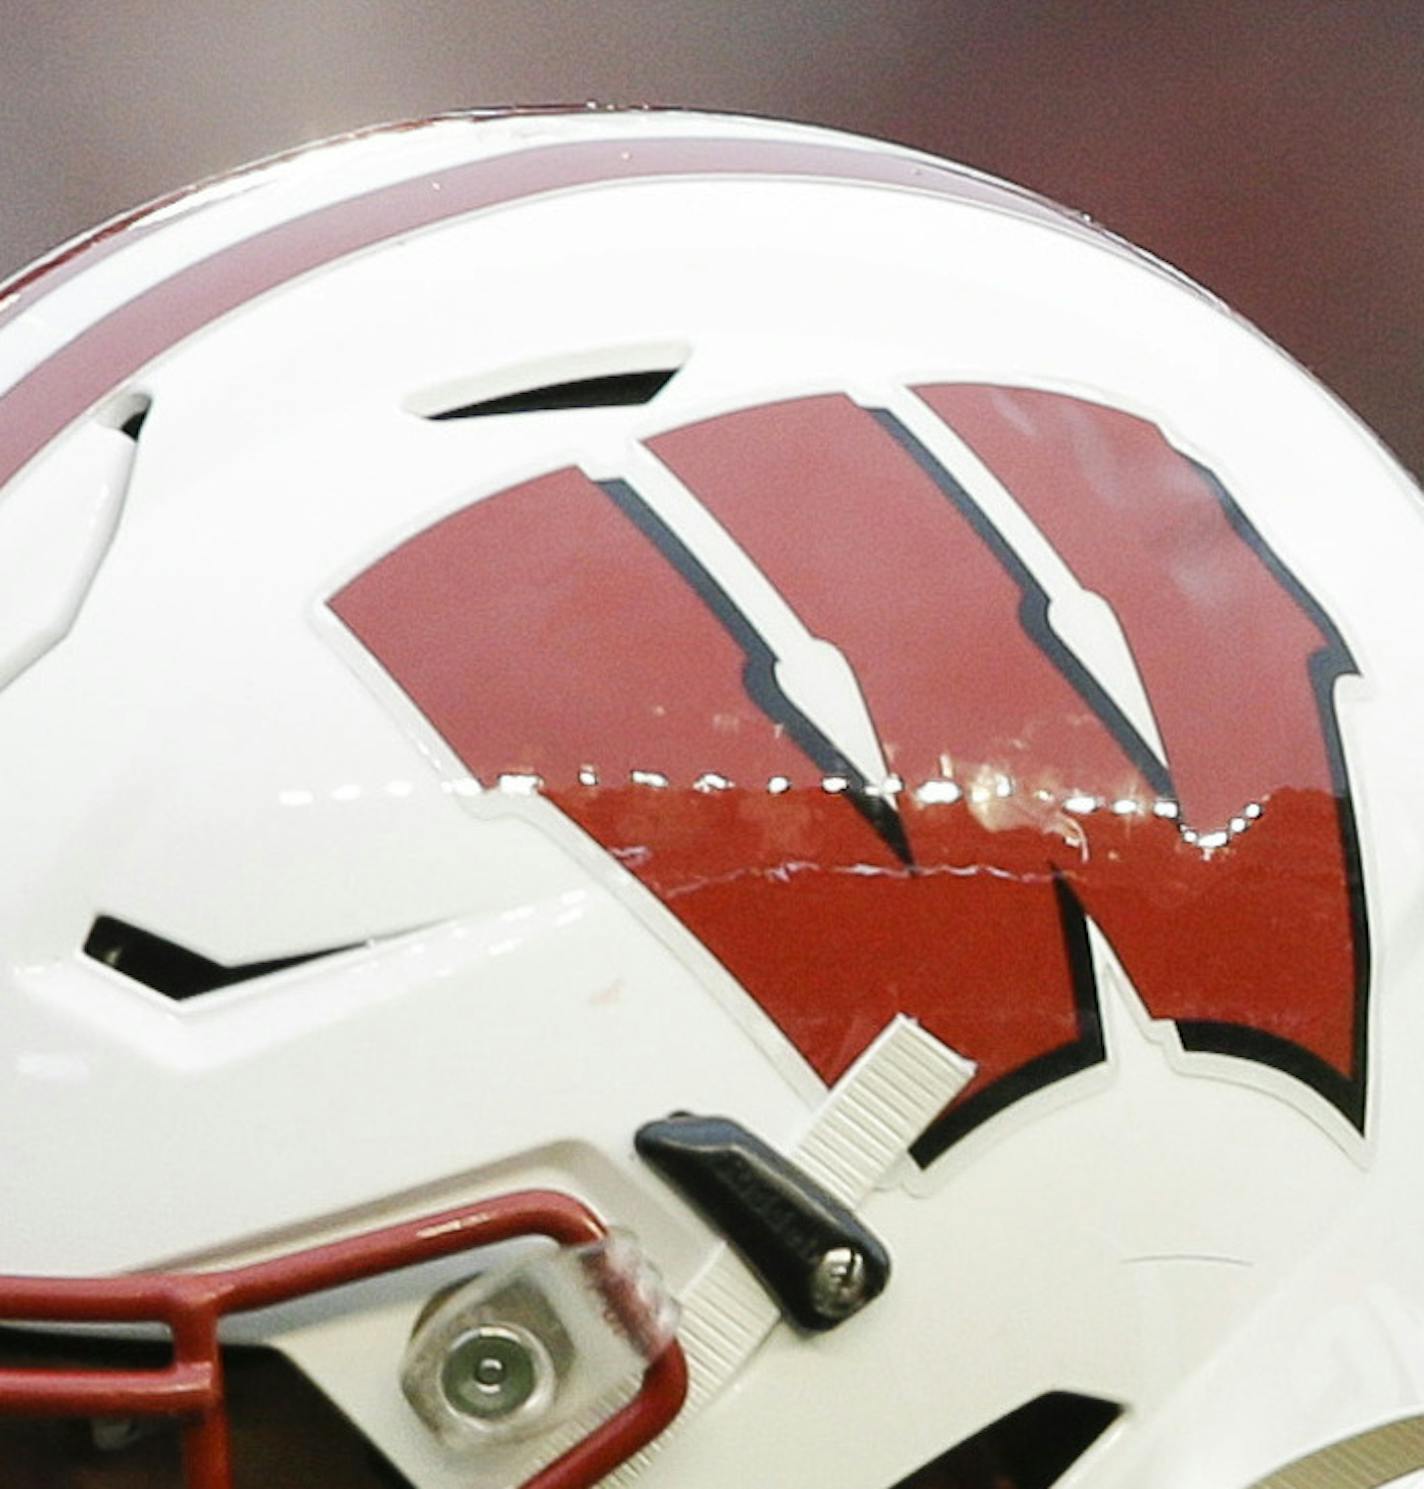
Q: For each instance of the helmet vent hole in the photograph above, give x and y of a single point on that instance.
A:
(1030, 1448)
(170, 969)
(597, 377)
(126, 413)
(611, 390)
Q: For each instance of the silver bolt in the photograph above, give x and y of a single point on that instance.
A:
(495, 1372)
(838, 1283)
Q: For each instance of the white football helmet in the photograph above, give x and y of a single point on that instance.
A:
(689, 801)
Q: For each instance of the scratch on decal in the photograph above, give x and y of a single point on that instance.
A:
(992, 796)
(783, 873)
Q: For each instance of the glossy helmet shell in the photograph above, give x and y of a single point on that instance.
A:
(518, 625)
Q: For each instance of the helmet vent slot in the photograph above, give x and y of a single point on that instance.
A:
(595, 377)
(611, 390)
(56, 524)
(126, 413)
(1030, 1448)
(170, 969)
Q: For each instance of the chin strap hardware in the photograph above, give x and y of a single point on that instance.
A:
(811, 1252)
(191, 1304)
(858, 1139)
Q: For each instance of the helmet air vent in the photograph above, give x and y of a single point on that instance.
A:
(56, 525)
(609, 391)
(1030, 1448)
(170, 969)
(126, 413)
(611, 377)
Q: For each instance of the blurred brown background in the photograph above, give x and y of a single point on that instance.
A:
(1272, 148)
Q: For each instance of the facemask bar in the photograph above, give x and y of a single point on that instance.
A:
(191, 1304)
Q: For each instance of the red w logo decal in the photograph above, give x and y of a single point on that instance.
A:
(566, 626)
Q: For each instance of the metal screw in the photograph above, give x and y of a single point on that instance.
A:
(493, 1372)
(838, 1283)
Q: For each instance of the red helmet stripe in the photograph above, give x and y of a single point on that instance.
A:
(40, 404)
